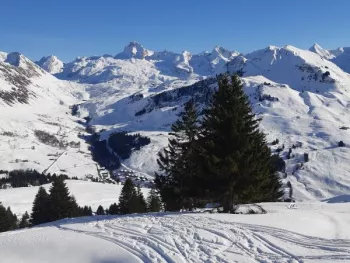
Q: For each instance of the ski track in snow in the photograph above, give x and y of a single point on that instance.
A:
(200, 239)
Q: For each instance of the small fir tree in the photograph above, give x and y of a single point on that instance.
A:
(141, 203)
(24, 223)
(61, 204)
(128, 199)
(113, 209)
(153, 201)
(40, 210)
(100, 211)
(5, 220)
(12, 218)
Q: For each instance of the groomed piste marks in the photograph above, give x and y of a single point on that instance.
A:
(192, 238)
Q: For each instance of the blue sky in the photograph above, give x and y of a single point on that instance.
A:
(82, 28)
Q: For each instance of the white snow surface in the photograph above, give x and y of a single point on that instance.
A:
(314, 232)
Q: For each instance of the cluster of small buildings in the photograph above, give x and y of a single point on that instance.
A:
(102, 172)
(123, 174)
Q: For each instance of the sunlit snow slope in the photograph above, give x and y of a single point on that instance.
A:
(311, 233)
(33, 101)
(302, 96)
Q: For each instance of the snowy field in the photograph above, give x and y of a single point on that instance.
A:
(314, 232)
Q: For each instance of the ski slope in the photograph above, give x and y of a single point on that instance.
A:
(315, 232)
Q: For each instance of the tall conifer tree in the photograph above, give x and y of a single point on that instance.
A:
(178, 172)
(141, 203)
(6, 219)
(234, 158)
(153, 201)
(61, 204)
(128, 198)
(41, 209)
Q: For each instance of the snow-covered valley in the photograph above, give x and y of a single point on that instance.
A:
(302, 96)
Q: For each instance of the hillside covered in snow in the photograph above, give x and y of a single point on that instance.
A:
(37, 130)
(302, 97)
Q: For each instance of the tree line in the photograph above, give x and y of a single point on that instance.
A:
(58, 204)
(123, 143)
(221, 157)
(25, 178)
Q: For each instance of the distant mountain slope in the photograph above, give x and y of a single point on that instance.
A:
(37, 130)
(302, 96)
(342, 58)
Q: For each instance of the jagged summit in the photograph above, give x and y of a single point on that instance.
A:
(28, 67)
(134, 50)
(321, 51)
(51, 64)
(222, 53)
(15, 59)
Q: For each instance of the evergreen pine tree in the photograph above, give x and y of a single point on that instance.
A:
(113, 209)
(234, 156)
(40, 211)
(153, 201)
(86, 211)
(24, 221)
(90, 211)
(176, 181)
(5, 220)
(61, 204)
(141, 204)
(128, 198)
(12, 219)
(100, 211)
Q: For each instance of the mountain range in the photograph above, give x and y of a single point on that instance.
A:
(301, 95)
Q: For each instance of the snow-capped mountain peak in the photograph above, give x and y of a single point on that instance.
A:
(321, 51)
(134, 50)
(222, 53)
(51, 64)
(28, 67)
(3, 56)
(15, 59)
